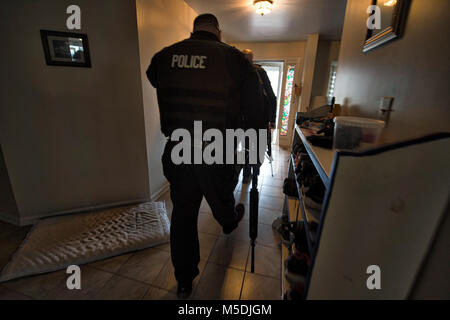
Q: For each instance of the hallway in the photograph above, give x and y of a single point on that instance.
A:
(148, 274)
(360, 111)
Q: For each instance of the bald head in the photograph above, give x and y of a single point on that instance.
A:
(207, 22)
(248, 54)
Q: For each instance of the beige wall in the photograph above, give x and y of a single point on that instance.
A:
(433, 281)
(327, 52)
(307, 76)
(274, 50)
(72, 138)
(160, 24)
(414, 70)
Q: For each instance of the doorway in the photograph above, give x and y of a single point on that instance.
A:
(274, 70)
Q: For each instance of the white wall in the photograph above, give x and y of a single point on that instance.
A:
(72, 138)
(160, 24)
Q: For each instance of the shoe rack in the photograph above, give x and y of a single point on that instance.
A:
(295, 208)
(382, 207)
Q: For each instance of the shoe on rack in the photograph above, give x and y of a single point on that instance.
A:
(281, 225)
(287, 237)
(296, 268)
(299, 157)
(300, 241)
(307, 168)
(298, 147)
(184, 290)
(240, 211)
(313, 227)
(315, 193)
(305, 171)
(296, 293)
(312, 203)
(290, 188)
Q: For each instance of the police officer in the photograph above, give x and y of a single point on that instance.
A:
(202, 79)
(269, 106)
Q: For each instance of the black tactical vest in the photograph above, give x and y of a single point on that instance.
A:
(198, 79)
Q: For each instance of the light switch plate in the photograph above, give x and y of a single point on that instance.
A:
(386, 108)
(386, 103)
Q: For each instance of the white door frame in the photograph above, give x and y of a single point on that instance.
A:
(279, 63)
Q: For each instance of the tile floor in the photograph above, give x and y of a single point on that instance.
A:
(148, 274)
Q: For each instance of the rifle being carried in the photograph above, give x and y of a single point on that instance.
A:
(254, 202)
(269, 149)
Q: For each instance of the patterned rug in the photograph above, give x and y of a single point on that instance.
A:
(56, 243)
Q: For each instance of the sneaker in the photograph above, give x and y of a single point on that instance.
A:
(184, 290)
(286, 236)
(240, 211)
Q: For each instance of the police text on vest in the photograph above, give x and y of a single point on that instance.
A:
(188, 62)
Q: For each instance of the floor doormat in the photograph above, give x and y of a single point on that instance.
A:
(56, 243)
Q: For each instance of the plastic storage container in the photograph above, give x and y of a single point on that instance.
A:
(352, 133)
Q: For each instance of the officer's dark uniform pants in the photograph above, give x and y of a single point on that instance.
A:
(247, 171)
(188, 185)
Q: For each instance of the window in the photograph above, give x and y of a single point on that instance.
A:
(287, 100)
(332, 80)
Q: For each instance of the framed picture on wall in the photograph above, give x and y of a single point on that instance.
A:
(392, 16)
(66, 49)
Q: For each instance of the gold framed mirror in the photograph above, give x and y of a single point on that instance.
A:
(388, 18)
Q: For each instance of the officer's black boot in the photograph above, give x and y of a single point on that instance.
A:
(240, 211)
(184, 290)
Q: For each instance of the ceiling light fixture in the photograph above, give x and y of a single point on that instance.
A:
(263, 6)
(390, 3)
